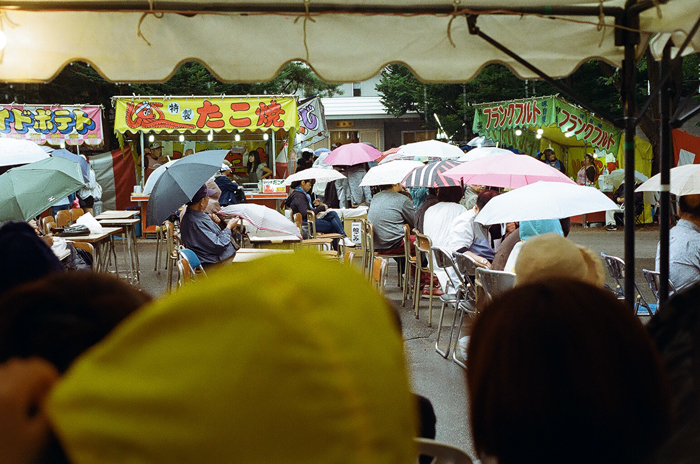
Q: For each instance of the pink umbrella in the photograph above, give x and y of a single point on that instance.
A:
(507, 170)
(351, 154)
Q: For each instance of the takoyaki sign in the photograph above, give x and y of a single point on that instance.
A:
(492, 118)
(73, 125)
(215, 113)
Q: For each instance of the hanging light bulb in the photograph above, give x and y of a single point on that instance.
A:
(266, 136)
(151, 138)
(540, 131)
(237, 138)
(568, 134)
(210, 136)
(63, 144)
(518, 132)
(181, 138)
(538, 136)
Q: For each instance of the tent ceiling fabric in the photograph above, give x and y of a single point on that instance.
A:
(343, 41)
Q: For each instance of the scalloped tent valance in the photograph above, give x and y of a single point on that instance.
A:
(343, 41)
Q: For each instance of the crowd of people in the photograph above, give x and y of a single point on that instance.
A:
(559, 370)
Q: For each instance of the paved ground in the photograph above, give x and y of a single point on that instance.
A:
(443, 381)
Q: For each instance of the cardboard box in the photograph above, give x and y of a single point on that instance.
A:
(352, 228)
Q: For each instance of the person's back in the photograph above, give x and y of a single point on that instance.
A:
(389, 211)
(684, 245)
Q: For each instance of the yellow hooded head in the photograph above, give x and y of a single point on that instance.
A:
(288, 359)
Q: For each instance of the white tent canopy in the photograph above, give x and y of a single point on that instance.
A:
(342, 40)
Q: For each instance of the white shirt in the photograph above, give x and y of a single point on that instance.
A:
(462, 230)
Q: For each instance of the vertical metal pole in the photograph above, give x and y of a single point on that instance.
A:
(143, 161)
(665, 171)
(628, 87)
(274, 155)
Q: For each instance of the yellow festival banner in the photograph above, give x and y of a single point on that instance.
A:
(215, 113)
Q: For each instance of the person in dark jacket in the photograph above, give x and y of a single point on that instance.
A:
(229, 189)
(300, 201)
(306, 161)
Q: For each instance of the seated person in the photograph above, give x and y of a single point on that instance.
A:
(560, 371)
(389, 211)
(202, 233)
(299, 201)
(615, 219)
(684, 245)
(306, 161)
(466, 235)
(430, 200)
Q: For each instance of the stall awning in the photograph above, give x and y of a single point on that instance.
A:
(53, 124)
(560, 122)
(342, 40)
(204, 114)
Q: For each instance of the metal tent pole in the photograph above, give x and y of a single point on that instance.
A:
(143, 161)
(665, 171)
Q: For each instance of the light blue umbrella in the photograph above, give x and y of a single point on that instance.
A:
(180, 181)
(28, 190)
(84, 165)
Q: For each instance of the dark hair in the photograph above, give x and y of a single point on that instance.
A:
(24, 256)
(297, 183)
(686, 207)
(589, 157)
(565, 225)
(450, 194)
(561, 371)
(256, 162)
(60, 316)
(484, 197)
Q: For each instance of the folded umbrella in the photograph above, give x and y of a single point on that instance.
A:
(389, 173)
(432, 175)
(544, 200)
(351, 154)
(26, 191)
(262, 217)
(180, 181)
(507, 170)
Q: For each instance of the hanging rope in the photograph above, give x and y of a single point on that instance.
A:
(143, 16)
(307, 17)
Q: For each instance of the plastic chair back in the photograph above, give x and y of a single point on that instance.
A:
(192, 259)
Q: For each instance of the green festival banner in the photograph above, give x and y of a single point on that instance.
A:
(498, 120)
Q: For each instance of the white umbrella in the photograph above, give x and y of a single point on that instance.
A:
(389, 173)
(262, 217)
(155, 175)
(482, 152)
(15, 152)
(685, 180)
(428, 150)
(481, 142)
(544, 200)
(318, 174)
(616, 177)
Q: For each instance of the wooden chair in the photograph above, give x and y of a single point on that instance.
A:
(75, 213)
(44, 221)
(379, 270)
(50, 226)
(63, 218)
(409, 262)
(307, 240)
(184, 272)
(371, 253)
(171, 242)
(311, 224)
(160, 244)
(423, 246)
(348, 257)
(85, 246)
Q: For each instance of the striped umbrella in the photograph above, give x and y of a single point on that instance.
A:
(431, 175)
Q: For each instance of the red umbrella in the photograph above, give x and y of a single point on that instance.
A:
(508, 171)
(351, 154)
(390, 151)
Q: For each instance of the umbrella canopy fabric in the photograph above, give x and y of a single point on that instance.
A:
(155, 175)
(318, 174)
(351, 154)
(262, 217)
(544, 200)
(481, 141)
(482, 152)
(180, 182)
(388, 152)
(508, 171)
(16, 152)
(432, 175)
(84, 165)
(389, 173)
(685, 180)
(616, 177)
(429, 150)
(28, 190)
